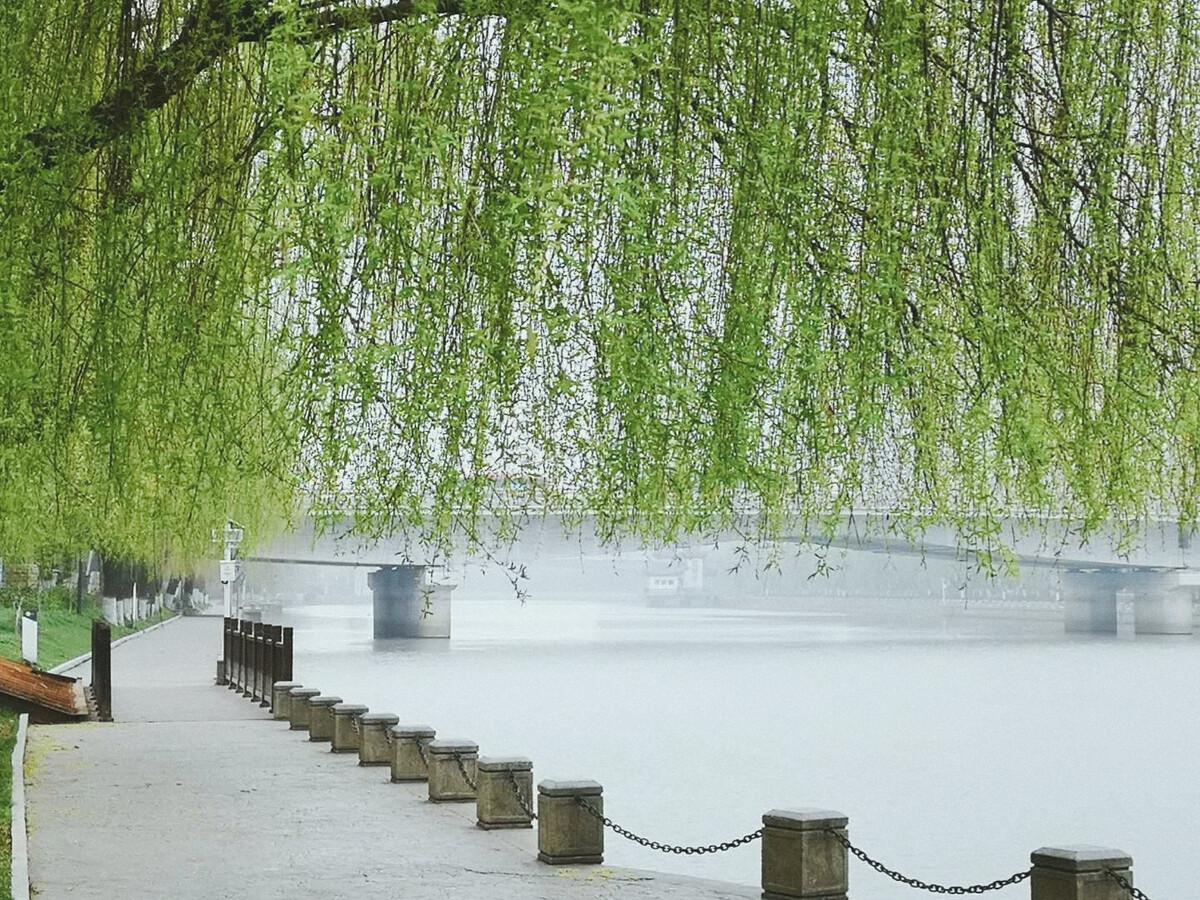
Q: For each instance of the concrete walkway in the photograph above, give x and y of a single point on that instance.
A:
(197, 793)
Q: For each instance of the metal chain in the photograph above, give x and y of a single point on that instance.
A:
(525, 807)
(387, 736)
(463, 769)
(421, 750)
(1015, 878)
(667, 848)
(1124, 883)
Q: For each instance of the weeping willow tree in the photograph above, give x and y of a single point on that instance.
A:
(680, 266)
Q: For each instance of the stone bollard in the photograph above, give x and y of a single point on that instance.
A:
(409, 752)
(320, 717)
(1079, 872)
(497, 783)
(373, 746)
(221, 679)
(281, 707)
(800, 858)
(567, 833)
(298, 700)
(447, 783)
(345, 727)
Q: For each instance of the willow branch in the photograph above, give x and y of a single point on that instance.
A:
(209, 32)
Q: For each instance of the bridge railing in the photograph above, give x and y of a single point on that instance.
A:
(805, 853)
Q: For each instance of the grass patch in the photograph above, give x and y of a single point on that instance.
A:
(8, 737)
(62, 634)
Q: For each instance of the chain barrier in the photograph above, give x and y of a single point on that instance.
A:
(421, 750)
(387, 736)
(524, 804)
(667, 848)
(933, 888)
(463, 770)
(1124, 883)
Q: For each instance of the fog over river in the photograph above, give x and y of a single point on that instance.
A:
(954, 747)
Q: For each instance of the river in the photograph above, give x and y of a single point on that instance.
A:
(955, 747)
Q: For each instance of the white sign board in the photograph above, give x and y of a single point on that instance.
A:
(229, 571)
(29, 638)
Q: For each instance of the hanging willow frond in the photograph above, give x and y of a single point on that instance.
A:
(680, 266)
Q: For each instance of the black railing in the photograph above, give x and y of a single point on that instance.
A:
(102, 669)
(256, 656)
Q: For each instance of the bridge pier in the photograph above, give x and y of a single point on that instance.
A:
(1165, 609)
(1162, 601)
(1090, 602)
(406, 605)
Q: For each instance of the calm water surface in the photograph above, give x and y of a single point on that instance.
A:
(955, 749)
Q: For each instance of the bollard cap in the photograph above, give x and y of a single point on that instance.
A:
(303, 692)
(455, 745)
(324, 700)
(285, 685)
(505, 764)
(348, 709)
(804, 819)
(1080, 858)
(379, 719)
(579, 788)
(412, 731)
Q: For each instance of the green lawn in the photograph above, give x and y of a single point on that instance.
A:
(62, 635)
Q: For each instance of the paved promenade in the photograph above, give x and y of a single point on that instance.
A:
(197, 793)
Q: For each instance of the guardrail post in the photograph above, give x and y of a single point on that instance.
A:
(264, 667)
(298, 707)
(503, 792)
(373, 746)
(1080, 872)
(223, 662)
(268, 680)
(320, 717)
(801, 858)
(410, 745)
(231, 668)
(345, 727)
(285, 673)
(567, 833)
(280, 706)
(247, 657)
(447, 781)
(102, 669)
(256, 645)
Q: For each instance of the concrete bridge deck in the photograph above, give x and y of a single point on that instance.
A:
(196, 793)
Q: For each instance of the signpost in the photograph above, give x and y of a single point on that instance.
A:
(231, 567)
(29, 636)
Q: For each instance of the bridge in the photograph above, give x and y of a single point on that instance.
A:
(1160, 568)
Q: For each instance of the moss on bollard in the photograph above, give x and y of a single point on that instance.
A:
(569, 834)
(281, 707)
(373, 746)
(345, 727)
(1080, 872)
(320, 717)
(298, 699)
(503, 792)
(452, 770)
(410, 752)
(801, 858)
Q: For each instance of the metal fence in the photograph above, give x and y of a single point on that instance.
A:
(256, 656)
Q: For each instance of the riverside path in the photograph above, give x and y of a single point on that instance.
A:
(196, 793)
